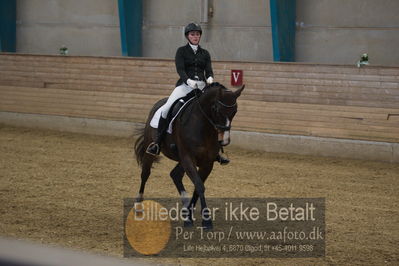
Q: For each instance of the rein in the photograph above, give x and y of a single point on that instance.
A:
(227, 106)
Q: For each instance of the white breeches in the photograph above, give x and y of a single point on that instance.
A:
(178, 92)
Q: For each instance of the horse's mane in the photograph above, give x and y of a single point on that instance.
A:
(212, 88)
(214, 85)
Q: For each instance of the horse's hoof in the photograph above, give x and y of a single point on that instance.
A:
(188, 224)
(207, 225)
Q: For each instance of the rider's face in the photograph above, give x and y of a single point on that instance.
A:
(194, 37)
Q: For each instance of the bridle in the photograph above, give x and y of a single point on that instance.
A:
(216, 107)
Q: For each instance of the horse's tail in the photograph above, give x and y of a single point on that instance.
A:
(143, 134)
(139, 148)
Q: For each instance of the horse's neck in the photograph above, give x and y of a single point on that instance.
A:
(196, 120)
(208, 98)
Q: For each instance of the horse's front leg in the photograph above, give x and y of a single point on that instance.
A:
(204, 172)
(198, 178)
(177, 176)
(191, 171)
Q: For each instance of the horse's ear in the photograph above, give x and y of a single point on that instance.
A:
(238, 92)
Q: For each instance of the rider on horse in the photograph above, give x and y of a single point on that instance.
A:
(194, 66)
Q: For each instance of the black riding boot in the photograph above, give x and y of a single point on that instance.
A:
(155, 147)
(222, 160)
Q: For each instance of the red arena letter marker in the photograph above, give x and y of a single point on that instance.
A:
(236, 77)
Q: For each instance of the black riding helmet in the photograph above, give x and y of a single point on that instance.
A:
(192, 27)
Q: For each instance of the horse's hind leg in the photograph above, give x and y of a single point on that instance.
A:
(177, 176)
(145, 173)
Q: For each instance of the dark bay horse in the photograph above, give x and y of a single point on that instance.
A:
(197, 136)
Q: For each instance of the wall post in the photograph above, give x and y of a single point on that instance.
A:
(8, 32)
(283, 16)
(131, 22)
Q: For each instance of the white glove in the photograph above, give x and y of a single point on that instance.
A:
(192, 83)
(209, 80)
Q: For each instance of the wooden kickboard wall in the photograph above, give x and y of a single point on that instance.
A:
(283, 98)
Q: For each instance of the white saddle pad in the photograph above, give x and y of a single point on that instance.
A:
(155, 119)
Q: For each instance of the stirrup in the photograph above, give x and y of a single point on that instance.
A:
(153, 149)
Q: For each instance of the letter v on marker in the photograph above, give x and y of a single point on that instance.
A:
(236, 77)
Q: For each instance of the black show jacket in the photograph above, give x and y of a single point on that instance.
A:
(190, 65)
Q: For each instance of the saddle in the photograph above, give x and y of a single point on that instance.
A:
(179, 106)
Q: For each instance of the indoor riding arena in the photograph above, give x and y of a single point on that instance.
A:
(304, 129)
